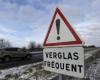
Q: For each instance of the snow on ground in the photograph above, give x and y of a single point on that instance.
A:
(12, 71)
(18, 71)
(27, 72)
(90, 53)
(93, 73)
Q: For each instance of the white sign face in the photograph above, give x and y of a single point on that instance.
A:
(65, 34)
(67, 61)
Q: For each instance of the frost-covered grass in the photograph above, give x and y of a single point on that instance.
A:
(26, 72)
(15, 71)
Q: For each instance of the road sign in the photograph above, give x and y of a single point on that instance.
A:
(68, 61)
(60, 54)
(61, 33)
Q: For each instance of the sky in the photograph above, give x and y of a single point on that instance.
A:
(22, 21)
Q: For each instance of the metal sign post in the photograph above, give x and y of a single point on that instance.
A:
(60, 76)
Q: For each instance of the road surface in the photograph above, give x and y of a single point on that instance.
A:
(36, 57)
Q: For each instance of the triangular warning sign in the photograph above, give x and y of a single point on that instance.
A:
(60, 32)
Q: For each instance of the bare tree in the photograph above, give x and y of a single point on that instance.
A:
(39, 46)
(24, 48)
(32, 45)
(4, 43)
(7, 44)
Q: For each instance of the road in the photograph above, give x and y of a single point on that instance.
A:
(36, 57)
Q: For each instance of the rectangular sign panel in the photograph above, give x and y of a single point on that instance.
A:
(67, 61)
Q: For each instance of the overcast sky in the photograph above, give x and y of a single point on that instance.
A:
(22, 21)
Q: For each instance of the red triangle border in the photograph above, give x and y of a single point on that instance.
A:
(78, 40)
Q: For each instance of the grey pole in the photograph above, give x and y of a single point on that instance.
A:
(60, 76)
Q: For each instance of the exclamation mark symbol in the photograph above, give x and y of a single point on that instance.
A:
(58, 28)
